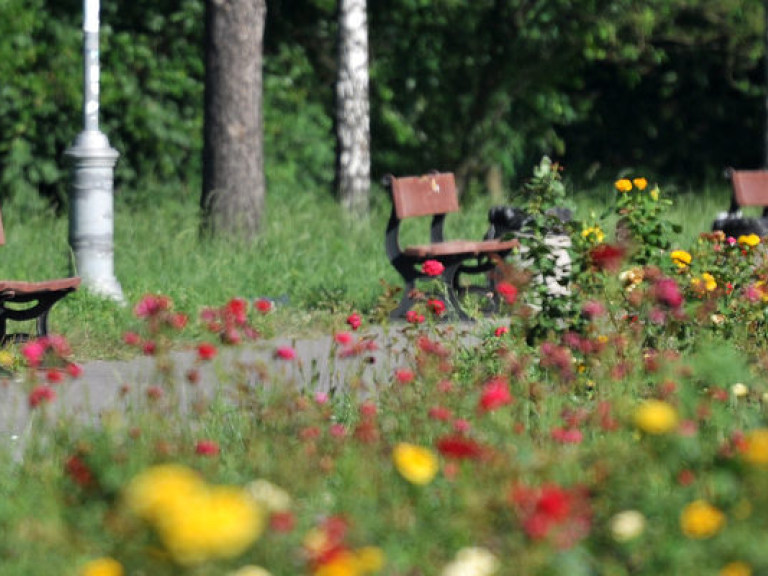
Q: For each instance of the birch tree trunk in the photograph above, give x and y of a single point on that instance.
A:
(353, 156)
(232, 199)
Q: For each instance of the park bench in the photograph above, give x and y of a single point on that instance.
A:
(25, 301)
(749, 188)
(435, 195)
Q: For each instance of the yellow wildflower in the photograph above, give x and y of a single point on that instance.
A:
(700, 520)
(6, 359)
(736, 569)
(102, 567)
(593, 234)
(756, 447)
(705, 283)
(196, 522)
(655, 194)
(416, 464)
(750, 240)
(681, 258)
(623, 185)
(656, 417)
(640, 183)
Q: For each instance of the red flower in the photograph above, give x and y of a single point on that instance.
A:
(667, 292)
(155, 393)
(149, 348)
(459, 448)
(567, 435)
(74, 370)
(40, 394)
(282, 522)
(432, 268)
(440, 413)
(507, 291)
(54, 376)
(206, 351)
(354, 320)
(404, 375)
(500, 331)
(263, 305)
(179, 321)
(237, 311)
(285, 353)
(437, 307)
(79, 471)
(495, 394)
(207, 448)
(551, 511)
(343, 338)
(606, 257)
(414, 317)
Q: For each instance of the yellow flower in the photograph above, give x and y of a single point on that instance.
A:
(6, 359)
(623, 185)
(735, 569)
(655, 194)
(102, 567)
(368, 560)
(750, 240)
(756, 447)
(656, 417)
(416, 464)
(196, 522)
(593, 234)
(640, 183)
(700, 520)
(706, 282)
(681, 258)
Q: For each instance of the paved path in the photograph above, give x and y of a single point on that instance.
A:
(106, 385)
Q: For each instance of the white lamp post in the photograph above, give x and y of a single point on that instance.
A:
(92, 159)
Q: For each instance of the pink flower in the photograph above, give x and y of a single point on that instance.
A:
(432, 268)
(155, 393)
(40, 394)
(507, 291)
(404, 375)
(440, 413)
(500, 331)
(206, 448)
(461, 426)
(131, 338)
(337, 430)
(667, 292)
(285, 353)
(206, 351)
(149, 348)
(152, 305)
(495, 394)
(354, 320)
(33, 352)
(263, 306)
(593, 309)
(567, 435)
(321, 397)
(54, 376)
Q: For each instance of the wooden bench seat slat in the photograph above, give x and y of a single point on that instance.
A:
(33, 301)
(460, 248)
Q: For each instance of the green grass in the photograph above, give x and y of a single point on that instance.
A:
(310, 256)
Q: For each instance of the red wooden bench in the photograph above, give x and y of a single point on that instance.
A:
(20, 301)
(434, 195)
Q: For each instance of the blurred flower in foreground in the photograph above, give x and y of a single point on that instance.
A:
(102, 567)
(195, 521)
(271, 497)
(627, 525)
(474, 561)
(656, 417)
(416, 464)
(756, 447)
(700, 520)
(735, 569)
(250, 571)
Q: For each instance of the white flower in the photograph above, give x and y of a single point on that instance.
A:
(272, 497)
(739, 390)
(627, 525)
(472, 561)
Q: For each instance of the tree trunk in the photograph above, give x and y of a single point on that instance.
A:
(353, 156)
(232, 199)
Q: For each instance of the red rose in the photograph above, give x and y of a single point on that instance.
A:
(432, 268)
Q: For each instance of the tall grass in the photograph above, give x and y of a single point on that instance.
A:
(309, 257)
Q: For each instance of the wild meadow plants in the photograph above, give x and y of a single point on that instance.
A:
(629, 436)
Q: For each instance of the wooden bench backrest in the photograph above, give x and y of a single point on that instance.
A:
(424, 195)
(750, 187)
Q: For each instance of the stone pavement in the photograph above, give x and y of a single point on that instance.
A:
(113, 385)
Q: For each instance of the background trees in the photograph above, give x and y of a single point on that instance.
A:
(476, 86)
